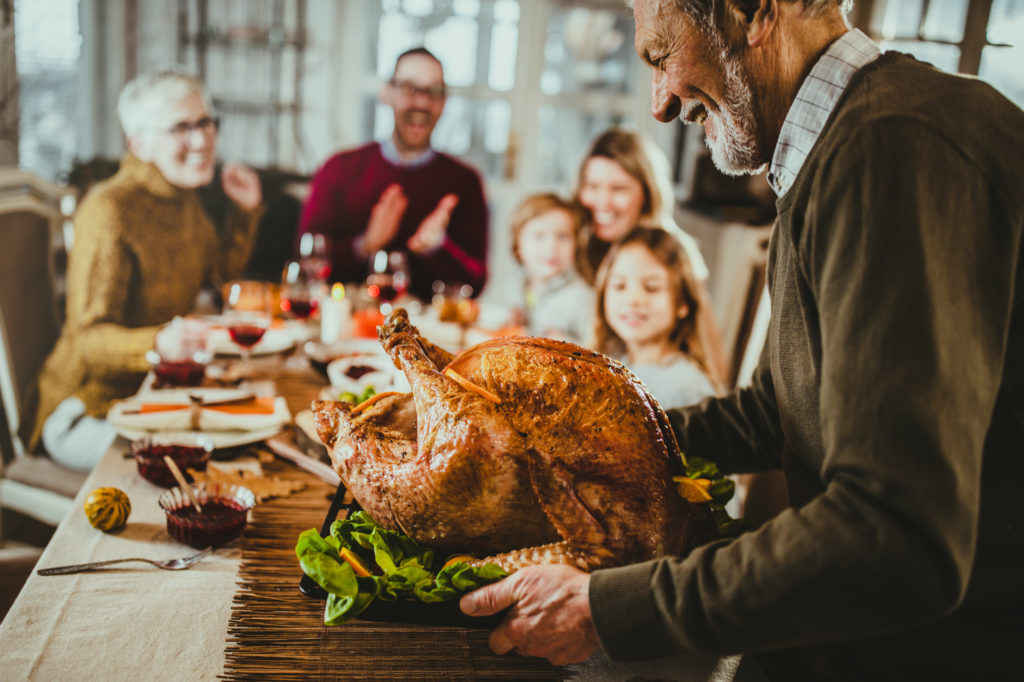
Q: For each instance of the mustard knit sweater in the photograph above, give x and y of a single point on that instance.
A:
(143, 249)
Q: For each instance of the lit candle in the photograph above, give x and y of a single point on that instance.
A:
(335, 312)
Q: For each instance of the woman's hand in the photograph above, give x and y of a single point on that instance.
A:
(548, 617)
(242, 185)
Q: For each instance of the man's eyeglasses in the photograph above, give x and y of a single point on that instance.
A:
(207, 125)
(408, 89)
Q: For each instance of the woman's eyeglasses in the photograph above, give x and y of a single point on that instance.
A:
(207, 125)
(408, 89)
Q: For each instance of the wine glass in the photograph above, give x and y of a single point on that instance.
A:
(248, 310)
(454, 303)
(314, 250)
(388, 278)
(301, 290)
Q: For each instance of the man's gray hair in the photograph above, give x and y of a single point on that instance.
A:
(148, 93)
(703, 12)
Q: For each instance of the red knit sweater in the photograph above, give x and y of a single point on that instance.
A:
(347, 186)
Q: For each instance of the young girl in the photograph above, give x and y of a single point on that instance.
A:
(648, 316)
(556, 302)
(625, 181)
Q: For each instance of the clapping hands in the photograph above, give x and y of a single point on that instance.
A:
(386, 217)
(432, 230)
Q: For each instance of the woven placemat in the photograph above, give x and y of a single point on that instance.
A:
(275, 632)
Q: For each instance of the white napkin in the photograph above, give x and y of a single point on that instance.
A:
(123, 415)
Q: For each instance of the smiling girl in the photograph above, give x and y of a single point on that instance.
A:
(648, 316)
(625, 181)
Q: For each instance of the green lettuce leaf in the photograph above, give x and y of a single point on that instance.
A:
(407, 568)
(721, 490)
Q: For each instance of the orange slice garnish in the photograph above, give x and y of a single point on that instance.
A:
(371, 400)
(471, 387)
(693, 490)
(354, 561)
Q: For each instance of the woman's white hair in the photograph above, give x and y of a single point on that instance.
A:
(148, 93)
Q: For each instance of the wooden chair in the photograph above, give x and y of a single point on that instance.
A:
(30, 220)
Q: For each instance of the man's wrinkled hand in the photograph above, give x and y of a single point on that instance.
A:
(434, 228)
(548, 613)
(241, 184)
(385, 218)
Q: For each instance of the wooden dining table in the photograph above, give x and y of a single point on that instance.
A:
(239, 614)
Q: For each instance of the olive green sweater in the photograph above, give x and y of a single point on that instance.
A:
(891, 392)
(143, 249)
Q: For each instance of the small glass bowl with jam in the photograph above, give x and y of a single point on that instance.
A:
(186, 453)
(225, 510)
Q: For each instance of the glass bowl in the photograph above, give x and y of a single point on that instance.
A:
(149, 453)
(179, 371)
(225, 511)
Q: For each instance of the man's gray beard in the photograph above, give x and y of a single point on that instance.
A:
(736, 151)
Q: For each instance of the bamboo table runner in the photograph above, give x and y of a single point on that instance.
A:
(276, 632)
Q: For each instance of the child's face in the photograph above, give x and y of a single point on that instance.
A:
(638, 303)
(615, 198)
(547, 245)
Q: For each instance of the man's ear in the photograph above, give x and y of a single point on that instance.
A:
(756, 18)
(386, 95)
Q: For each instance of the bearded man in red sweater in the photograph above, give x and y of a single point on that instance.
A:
(401, 195)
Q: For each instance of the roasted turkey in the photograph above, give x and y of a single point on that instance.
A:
(572, 464)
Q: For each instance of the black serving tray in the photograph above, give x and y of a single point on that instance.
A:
(446, 613)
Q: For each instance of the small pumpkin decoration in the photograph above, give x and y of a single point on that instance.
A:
(107, 508)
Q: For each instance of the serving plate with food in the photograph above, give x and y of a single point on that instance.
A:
(516, 452)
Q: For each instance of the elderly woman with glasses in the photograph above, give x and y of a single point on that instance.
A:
(143, 250)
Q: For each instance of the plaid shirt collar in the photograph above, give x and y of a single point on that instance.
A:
(814, 103)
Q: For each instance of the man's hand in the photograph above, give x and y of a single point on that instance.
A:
(549, 615)
(242, 185)
(431, 232)
(385, 218)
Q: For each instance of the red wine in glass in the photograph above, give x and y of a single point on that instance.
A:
(387, 293)
(301, 308)
(246, 335)
(388, 278)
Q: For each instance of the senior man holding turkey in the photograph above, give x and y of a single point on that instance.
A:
(887, 391)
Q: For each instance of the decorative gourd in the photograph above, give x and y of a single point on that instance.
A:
(107, 508)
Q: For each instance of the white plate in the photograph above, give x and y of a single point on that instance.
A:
(384, 377)
(326, 352)
(221, 439)
(274, 341)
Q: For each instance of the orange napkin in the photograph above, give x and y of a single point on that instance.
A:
(262, 405)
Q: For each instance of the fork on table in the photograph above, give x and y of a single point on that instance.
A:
(168, 564)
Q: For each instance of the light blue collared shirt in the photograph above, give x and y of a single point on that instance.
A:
(390, 153)
(814, 103)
